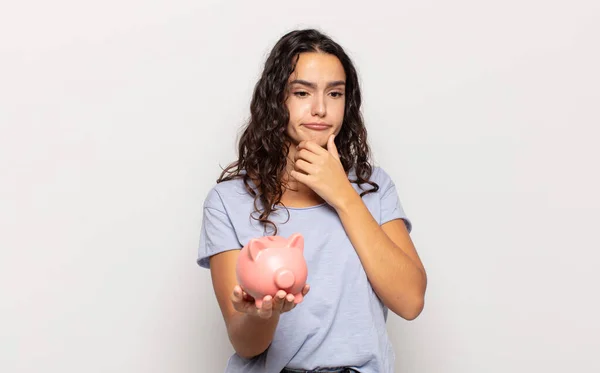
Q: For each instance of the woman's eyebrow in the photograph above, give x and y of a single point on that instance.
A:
(313, 85)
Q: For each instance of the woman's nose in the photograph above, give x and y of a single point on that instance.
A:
(318, 107)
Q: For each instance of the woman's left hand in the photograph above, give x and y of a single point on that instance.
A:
(321, 170)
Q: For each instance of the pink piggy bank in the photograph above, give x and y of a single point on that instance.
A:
(272, 263)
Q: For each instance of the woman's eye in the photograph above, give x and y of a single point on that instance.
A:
(337, 94)
(301, 94)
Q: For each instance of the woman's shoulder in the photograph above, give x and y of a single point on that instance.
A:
(378, 176)
(230, 192)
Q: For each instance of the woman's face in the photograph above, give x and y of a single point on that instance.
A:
(316, 98)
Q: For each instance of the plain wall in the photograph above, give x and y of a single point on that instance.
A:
(116, 116)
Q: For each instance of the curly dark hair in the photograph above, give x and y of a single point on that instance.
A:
(263, 146)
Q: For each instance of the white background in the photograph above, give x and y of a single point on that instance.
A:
(116, 116)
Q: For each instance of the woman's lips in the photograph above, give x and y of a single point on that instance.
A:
(317, 126)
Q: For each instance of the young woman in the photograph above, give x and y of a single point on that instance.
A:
(304, 167)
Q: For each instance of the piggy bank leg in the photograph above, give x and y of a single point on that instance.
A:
(298, 298)
(258, 302)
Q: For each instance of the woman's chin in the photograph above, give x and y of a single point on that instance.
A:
(319, 138)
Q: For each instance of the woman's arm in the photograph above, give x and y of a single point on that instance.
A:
(386, 252)
(250, 335)
(388, 256)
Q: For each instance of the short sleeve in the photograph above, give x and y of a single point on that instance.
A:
(391, 207)
(217, 233)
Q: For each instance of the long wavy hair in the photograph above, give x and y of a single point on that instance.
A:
(263, 146)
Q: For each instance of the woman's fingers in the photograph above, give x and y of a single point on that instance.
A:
(289, 303)
(242, 301)
(304, 167)
(279, 301)
(290, 300)
(266, 309)
(237, 299)
(237, 295)
(307, 155)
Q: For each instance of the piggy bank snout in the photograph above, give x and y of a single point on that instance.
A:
(284, 278)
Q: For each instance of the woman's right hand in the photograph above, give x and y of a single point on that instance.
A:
(281, 303)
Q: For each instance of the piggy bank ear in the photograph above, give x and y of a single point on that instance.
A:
(296, 241)
(255, 246)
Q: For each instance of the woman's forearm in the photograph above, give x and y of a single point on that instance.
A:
(394, 276)
(251, 335)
